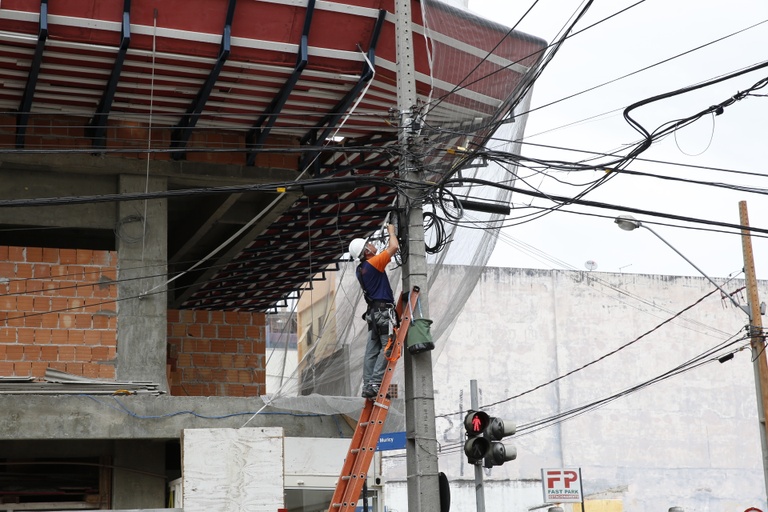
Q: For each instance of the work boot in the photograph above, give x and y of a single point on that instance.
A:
(370, 390)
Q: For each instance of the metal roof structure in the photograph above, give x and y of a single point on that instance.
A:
(312, 81)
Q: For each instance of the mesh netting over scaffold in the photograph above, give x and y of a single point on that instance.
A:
(488, 110)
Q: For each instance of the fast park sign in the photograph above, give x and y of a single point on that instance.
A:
(562, 485)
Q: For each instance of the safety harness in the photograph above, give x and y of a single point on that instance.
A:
(393, 320)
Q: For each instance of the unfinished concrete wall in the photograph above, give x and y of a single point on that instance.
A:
(58, 308)
(141, 234)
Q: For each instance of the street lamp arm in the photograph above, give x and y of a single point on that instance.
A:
(694, 266)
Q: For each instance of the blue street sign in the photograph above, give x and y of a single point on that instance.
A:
(391, 441)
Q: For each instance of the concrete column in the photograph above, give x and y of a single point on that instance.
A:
(138, 480)
(142, 254)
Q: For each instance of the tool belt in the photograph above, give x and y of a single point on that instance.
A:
(380, 304)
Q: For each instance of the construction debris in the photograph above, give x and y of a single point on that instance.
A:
(61, 383)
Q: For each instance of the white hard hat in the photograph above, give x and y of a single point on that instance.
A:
(356, 248)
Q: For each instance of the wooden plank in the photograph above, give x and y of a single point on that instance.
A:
(223, 470)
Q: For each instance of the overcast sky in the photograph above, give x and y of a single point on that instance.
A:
(651, 32)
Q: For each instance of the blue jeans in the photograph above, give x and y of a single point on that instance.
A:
(375, 360)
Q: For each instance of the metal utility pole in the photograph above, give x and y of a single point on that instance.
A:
(757, 340)
(421, 442)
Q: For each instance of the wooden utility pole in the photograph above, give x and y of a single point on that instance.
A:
(421, 438)
(757, 339)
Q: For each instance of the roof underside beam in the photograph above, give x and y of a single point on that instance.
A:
(97, 128)
(259, 282)
(370, 153)
(363, 210)
(379, 162)
(233, 296)
(194, 281)
(259, 266)
(183, 130)
(257, 135)
(330, 121)
(34, 71)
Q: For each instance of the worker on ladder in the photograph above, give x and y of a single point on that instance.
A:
(380, 314)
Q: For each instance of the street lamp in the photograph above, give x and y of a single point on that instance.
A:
(629, 223)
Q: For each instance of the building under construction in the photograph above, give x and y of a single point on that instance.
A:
(174, 171)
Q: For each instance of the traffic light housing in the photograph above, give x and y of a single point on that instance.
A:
(499, 453)
(484, 435)
(476, 446)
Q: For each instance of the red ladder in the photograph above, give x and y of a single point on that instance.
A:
(371, 422)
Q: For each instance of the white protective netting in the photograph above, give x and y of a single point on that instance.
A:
(480, 81)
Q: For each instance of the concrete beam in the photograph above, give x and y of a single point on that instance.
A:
(84, 417)
(179, 173)
(36, 184)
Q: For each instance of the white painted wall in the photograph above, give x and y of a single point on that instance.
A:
(691, 440)
(316, 462)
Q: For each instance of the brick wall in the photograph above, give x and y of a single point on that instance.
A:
(58, 310)
(216, 353)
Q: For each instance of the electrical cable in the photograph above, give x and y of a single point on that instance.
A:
(606, 355)
(569, 200)
(654, 161)
(273, 187)
(646, 68)
(706, 357)
(709, 356)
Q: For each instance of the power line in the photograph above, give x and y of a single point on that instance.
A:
(606, 355)
(709, 356)
(646, 68)
(561, 200)
(706, 357)
(651, 160)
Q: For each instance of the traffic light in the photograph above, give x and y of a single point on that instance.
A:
(484, 435)
(476, 446)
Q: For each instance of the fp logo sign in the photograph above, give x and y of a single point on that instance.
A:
(561, 485)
